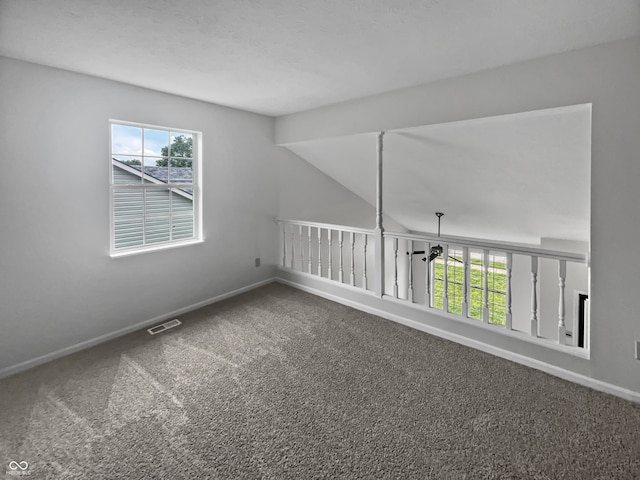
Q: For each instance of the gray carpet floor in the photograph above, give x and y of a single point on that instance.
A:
(277, 384)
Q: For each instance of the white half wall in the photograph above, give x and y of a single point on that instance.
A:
(607, 76)
(59, 287)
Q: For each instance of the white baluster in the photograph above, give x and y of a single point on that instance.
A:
(465, 282)
(508, 319)
(427, 279)
(340, 242)
(432, 273)
(410, 289)
(319, 252)
(353, 261)
(284, 244)
(293, 248)
(534, 296)
(395, 270)
(330, 268)
(301, 248)
(445, 281)
(310, 266)
(364, 261)
(485, 303)
(562, 329)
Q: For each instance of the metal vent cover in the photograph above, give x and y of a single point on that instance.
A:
(164, 326)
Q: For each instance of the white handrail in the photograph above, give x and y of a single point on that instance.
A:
(331, 226)
(462, 242)
(493, 245)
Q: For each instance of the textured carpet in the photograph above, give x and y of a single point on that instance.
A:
(277, 383)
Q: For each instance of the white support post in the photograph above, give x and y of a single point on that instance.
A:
(353, 261)
(509, 317)
(465, 282)
(445, 278)
(534, 296)
(330, 268)
(341, 268)
(562, 275)
(379, 230)
(410, 289)
(395, 267)
(485, 303)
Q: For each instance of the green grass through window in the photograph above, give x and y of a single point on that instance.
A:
(497, 283)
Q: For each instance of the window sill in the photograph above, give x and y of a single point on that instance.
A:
(155, 248)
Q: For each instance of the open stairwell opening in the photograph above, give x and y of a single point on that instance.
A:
(516, 192)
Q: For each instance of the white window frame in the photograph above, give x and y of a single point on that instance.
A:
(195, 185)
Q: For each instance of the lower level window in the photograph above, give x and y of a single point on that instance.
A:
(496, 289)
(155, 187)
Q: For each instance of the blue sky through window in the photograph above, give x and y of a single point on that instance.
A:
(127, 140)
(154, 140)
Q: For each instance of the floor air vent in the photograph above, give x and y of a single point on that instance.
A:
(164, 326)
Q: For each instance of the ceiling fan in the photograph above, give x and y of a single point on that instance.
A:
(436, 250)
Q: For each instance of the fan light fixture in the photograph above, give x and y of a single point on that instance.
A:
(436, 250)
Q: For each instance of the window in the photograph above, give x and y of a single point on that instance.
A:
(496, 275)
(455, 280)
(155, 187)
(497, 286)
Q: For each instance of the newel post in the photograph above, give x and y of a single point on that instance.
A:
(379, 230)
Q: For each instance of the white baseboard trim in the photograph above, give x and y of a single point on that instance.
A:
(5, 372)
(469, 342)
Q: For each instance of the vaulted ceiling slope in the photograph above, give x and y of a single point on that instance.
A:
(514, 178)
(282, 56)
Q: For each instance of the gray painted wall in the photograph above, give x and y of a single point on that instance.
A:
(306, 193)
(58, 285)
(607, 76)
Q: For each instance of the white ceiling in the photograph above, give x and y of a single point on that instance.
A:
(512, 178)
(281, 56)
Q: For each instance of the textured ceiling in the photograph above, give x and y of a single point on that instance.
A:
(283, 56)
(512, 178)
